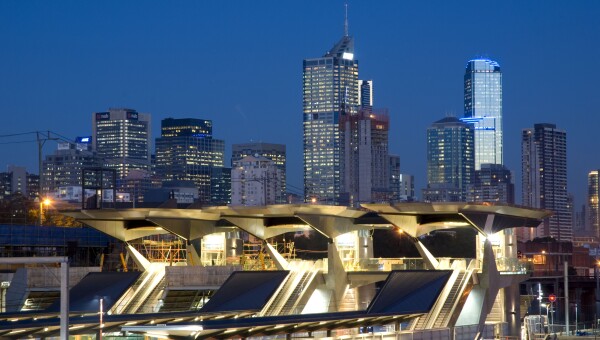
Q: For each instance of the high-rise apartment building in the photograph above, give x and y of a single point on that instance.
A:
(593, 206)
(121, 137)
(365, 167)
(450, 162)
(255, 181)
(492, 183)
(330, 89)
(187, 151)
(483, 109)
(274, 152)
(544, 170)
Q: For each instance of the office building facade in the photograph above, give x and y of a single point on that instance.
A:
(483, 109)
(121, 137)
(187, 151)
(272, 151)
(220, 186)
(395, 177)
(450, 160)
(330, 89)
(544, 176)
(62, 171)
(492, 183)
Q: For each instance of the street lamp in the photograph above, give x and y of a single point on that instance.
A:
(101, 319)
(43, 202)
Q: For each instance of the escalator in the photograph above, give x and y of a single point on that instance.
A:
(287, 300)
(144, 292)
(448, 307)
(442, 313)
(132, 301)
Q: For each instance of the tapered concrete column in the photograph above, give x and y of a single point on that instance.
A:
(336, 278)
(512, 309)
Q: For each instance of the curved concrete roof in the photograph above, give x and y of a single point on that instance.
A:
(267, 221)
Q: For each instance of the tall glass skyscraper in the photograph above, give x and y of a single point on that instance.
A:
(449, 160)
(187, 151)
(330, 89)
(483, 109)
(122, 138)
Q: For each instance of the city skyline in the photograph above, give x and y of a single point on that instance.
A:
(63, 61)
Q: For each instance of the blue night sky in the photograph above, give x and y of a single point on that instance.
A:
(239, 63)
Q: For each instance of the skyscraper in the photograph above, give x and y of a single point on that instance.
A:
(122, 138)
(274, 152)
(365, 167)
(187, 151)
(593, 206)
(544, 169)
(483, 108)
(330, 89)
(449, 160)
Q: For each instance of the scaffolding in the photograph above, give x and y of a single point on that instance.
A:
(162, 249)
(256, 257)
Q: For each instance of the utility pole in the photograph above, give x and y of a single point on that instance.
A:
(567, 296)
(41, 140)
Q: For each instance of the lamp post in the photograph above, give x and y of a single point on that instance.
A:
(540, 295)
(101, 321)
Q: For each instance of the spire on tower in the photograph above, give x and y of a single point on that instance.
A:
(346, 20)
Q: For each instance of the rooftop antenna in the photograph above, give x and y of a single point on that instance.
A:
(346, 20)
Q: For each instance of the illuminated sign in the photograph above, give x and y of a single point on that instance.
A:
(348, 56)
(132, 115)
(103, 116)
(83, 140)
